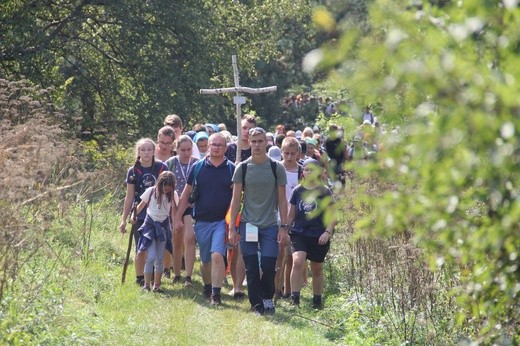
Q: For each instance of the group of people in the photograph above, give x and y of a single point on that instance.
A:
(259, 214)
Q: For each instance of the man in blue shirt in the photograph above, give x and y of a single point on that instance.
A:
(210, 187)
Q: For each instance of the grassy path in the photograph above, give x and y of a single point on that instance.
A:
(102, 312)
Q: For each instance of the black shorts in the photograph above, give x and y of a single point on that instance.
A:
(315, 252)
(187, 212)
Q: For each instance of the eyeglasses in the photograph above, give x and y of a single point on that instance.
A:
(256, 131)
(218, 145)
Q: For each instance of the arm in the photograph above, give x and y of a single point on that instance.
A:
(127, 206)
(282, 207)
(138, 209)
(329, 229)
(181, 207)
(173, 211)
(234, 208)
(291, 215)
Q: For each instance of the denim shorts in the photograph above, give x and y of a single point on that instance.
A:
(211, 237)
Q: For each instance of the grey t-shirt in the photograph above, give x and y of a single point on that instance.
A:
(260, 193)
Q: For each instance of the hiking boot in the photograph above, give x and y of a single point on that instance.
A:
(177, 279)
(215, 299)
(269, 308)
(188, 282)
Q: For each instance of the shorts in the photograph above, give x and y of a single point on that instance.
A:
(211, 237)
(315, 252)
(188, 211)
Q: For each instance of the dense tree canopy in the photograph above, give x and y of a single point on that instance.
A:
(126, 64)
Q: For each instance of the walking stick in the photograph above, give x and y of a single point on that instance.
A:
(129, 249)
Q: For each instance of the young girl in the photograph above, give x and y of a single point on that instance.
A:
(156, 231)
(142, 175)
(311, 228)
(181, 166)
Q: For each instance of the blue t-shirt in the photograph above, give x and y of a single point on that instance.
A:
(144, 178)
(308, 221)
(214, 190)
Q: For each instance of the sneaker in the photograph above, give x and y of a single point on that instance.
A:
(239, 295)
(146, 288)
(188, 282)
(207, 292)
(167, 273)
(177, 279)
(295, 301)
(215, 299)
(157, 289)
(269, 307)
(140, 281)
(317, 304)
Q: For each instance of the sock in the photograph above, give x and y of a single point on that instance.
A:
(215, 290)
(207, 288)
(316, 298)
(295, 294)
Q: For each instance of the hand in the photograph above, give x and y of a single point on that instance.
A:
(232, 236)
(178, 226)
(122, 227)
(283, 236)
(324, 238)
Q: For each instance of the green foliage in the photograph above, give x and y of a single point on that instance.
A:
(447, 73)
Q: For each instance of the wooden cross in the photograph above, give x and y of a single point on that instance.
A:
(238, 99)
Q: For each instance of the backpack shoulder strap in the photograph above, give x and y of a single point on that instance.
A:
(273, 168)
(300, 172)
(244, 171)
(196, 170)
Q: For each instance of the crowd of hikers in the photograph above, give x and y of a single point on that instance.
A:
(257, 216)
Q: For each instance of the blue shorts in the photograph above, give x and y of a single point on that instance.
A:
(211, 237)
(267, 241)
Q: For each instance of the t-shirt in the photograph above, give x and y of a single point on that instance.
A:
(292, 182)
(214, 190)
(144, 178)
(260, 193)
(306, 222)
(231, 153)
(157, 212)
(181, 171)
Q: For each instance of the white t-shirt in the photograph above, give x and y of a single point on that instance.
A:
(292, 181)
(156, 212)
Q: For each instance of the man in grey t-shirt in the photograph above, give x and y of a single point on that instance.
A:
(264, 195)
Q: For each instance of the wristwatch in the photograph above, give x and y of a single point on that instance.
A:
(284, 226)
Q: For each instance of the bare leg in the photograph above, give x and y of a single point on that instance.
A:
(218, 270)
(299, 263)
(178, 244)
(189, 245)
(317, 278)
(238, 270)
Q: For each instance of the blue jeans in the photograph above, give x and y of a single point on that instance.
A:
(260, 288)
